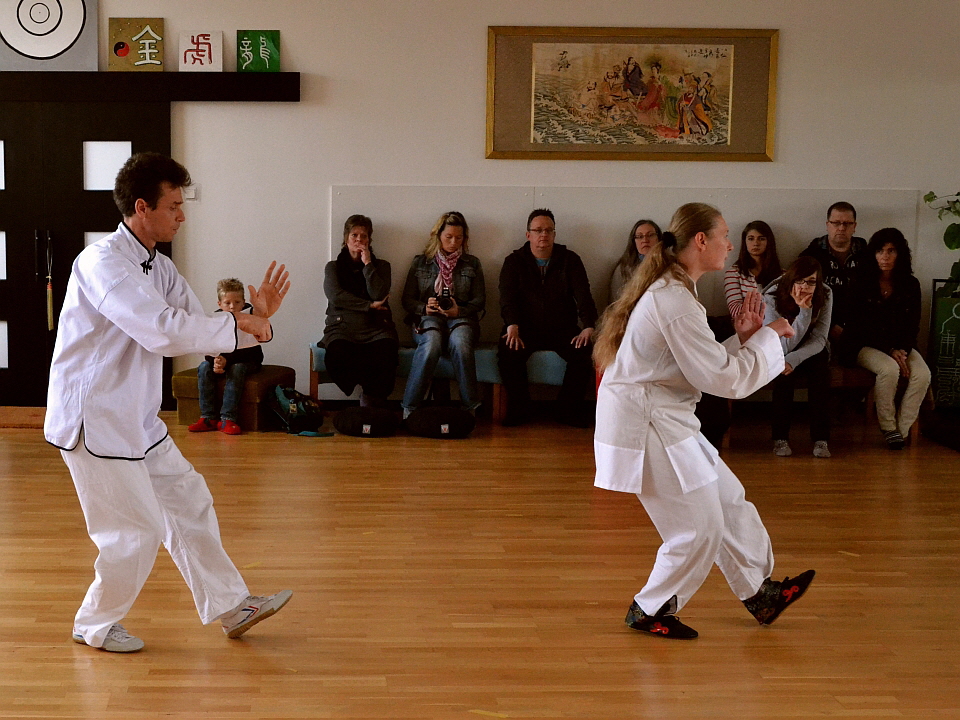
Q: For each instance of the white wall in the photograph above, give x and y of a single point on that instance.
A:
(393, 93)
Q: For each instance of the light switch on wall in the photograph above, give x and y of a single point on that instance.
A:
(191, 193)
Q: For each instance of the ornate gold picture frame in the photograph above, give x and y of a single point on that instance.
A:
(576, 93)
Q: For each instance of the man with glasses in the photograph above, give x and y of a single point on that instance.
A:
(546, 304)
(841, 255)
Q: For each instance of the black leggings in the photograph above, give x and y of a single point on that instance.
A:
(372, 366)
(816, 370)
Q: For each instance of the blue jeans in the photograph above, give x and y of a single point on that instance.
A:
(459, 341)
(235, 374)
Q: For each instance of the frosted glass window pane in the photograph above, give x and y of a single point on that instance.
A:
(3, 255)
(4, 356)
(2, 180)
(89, 238)
(102, 161)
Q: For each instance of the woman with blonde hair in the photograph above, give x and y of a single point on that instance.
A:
(658, 353)
(444, 297)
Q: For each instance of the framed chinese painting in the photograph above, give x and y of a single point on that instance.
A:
(580, 93)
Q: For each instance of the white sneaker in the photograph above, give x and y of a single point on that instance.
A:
(254, 609)
(781, 448)
(118, 640)
(820, 449)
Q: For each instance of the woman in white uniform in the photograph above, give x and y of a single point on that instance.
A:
(657, 354)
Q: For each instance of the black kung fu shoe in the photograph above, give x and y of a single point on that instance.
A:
(773, 597)
(664, 623)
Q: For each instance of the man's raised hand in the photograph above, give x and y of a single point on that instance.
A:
(267, 300)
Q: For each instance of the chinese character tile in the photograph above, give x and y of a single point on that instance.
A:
(258, 51)
(136, 44)
(201, 51)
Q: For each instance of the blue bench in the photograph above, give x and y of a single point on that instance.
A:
(543, 368)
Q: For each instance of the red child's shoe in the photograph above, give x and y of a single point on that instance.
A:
(202, 425)
(229, 427)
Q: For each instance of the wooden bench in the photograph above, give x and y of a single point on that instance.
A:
(544, 368)
(254, 413)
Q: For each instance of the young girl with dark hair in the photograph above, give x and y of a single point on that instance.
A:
(757, 265)
(801, 298)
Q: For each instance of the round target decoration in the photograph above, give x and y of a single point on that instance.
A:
(42, 29)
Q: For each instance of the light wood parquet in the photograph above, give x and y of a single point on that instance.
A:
(488, 578)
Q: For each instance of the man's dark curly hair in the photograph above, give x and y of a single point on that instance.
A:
(142, 178)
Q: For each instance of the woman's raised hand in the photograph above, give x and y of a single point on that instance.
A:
(750, 317)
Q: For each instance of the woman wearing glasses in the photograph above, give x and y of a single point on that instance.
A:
(885, 323)
(644, 235)
(801, 297)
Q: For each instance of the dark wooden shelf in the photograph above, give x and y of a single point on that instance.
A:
(149, 86)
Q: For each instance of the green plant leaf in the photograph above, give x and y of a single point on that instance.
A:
(951, 236)
(929, 197)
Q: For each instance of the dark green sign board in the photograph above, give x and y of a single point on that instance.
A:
(944, 349)
(258, 51)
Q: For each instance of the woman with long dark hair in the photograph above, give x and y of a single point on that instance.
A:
(801, 298)
(658, 353)
(643, 236)
(757, 265)
(885, 323)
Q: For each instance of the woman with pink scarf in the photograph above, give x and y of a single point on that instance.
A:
(445, 298)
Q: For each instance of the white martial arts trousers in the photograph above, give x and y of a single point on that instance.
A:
(131, 506)
(712, 524)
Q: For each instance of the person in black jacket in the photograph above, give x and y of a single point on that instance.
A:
(359, 336)
(236, 366)
(546, 304)
(884, 323)
(841, 256)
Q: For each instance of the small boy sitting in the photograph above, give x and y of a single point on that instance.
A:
(236, 366)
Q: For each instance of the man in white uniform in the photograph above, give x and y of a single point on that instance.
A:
(126, 308)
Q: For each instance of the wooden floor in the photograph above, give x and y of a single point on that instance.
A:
(488, 578)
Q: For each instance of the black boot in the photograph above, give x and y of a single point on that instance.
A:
(773, 597)
(664, 623)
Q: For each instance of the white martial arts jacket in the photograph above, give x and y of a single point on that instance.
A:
(125, 308)
(668, 355)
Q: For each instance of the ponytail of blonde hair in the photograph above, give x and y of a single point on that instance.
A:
(687, 221)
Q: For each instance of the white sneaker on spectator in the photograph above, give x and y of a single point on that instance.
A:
(254, 609)
(781, 448)
(118, 640)
(820, 449)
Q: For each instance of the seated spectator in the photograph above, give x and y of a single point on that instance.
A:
(546, 304)
(884, 323)
(644, 235)
(841, 256)
(801, 296)
(359, 336)
(756, 266)
(445, 298)
(235, 365)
